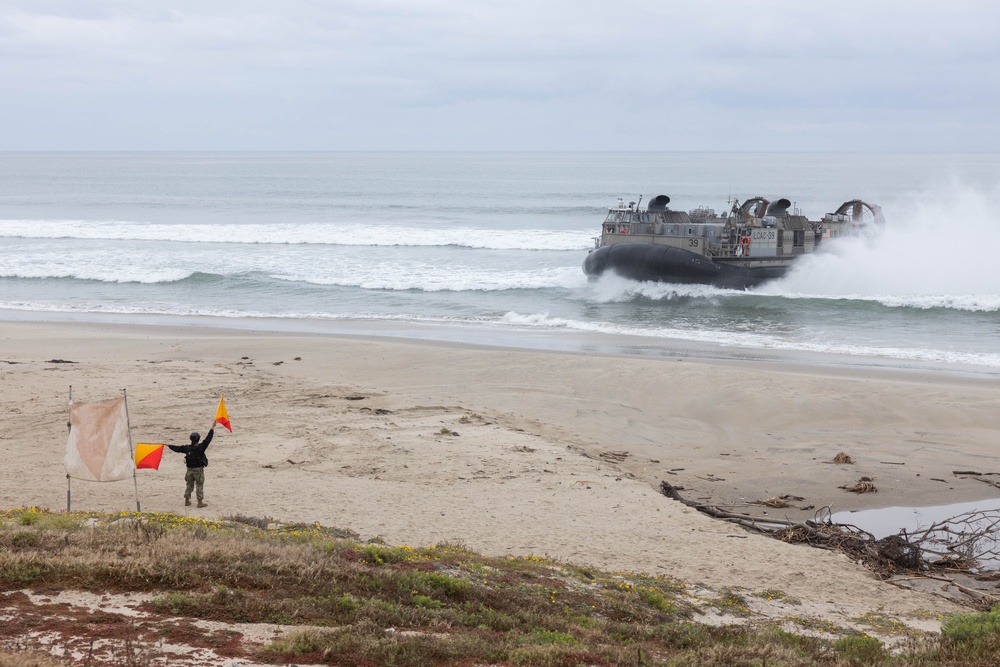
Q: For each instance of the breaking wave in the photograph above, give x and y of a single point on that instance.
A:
(307, 233)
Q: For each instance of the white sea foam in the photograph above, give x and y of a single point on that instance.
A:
(938, 251)
(967, 302)
(535, 321)
(755, 341)
(103, 263)
(432, 278)
(148, 275)
(355, 272)
(312, 233)
(398, 269)
(611, 288)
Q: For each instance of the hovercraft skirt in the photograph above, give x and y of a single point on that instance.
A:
(666, 263)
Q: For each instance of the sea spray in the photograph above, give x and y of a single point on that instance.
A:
(935, 253)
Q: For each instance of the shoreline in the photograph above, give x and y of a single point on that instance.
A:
(507, 338)
(508, 451)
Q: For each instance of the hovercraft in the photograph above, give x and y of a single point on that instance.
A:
(756, 241)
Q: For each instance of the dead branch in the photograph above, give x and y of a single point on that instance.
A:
(966, 543)
(983, 598)
(777, 502)
(771, 502)
(987, 481)
(863, 485)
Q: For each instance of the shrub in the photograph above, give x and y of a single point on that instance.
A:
(972, 627)
(550, 655)
(30, 659)
(450, 586)
(260, 523)
(543, 636)
(861, 650)
(375, 554)
(425, 602)
(29, 517)
(178, 604)
(25, 539)
(21, 573)
(656, 600)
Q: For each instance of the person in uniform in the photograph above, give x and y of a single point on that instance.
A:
(195, 459)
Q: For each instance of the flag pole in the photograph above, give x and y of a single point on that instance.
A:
(131, 447)
(69, 425)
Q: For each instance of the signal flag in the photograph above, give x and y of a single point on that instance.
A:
(221, 416)
(148, 456)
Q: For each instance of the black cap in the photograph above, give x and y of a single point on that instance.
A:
(195, 437)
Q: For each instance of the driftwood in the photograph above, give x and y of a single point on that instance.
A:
(968, 542)
(777, 502)
(760, 524)
(970, 539)
(987, 481)
(863, 485)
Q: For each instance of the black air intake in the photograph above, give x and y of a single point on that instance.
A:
(779, 208)
(658, 203)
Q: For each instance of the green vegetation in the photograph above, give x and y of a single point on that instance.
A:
(774, 595)
(349, 602)
(863, 650)
(732, 602)
(974, 628)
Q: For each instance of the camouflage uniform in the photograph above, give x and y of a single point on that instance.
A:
(195, 459)
(195, 478)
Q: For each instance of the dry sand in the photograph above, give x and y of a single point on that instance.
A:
(500, 450)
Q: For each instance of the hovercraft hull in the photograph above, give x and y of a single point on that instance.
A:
(665, 263)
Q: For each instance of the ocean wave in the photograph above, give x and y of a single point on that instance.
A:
(755, 341)
(611, 288)
(417, 278)
(306, 233)
(144, 275)
(163, 310)
(431, 278)
(533, 321)
(978, 303)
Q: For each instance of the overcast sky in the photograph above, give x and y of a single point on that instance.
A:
(575, 75)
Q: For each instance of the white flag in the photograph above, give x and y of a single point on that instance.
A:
(99, 447)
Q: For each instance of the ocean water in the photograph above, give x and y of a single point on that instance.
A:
(488, 247)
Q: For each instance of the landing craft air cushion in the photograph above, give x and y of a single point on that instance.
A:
(756, 241)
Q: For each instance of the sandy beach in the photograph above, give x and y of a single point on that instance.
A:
(510, 451)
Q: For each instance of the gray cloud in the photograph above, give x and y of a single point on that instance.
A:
(476, 75)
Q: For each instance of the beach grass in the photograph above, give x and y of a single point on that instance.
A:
(340, 600)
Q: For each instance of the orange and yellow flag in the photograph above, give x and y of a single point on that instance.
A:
(148, 456)
(221, 416)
